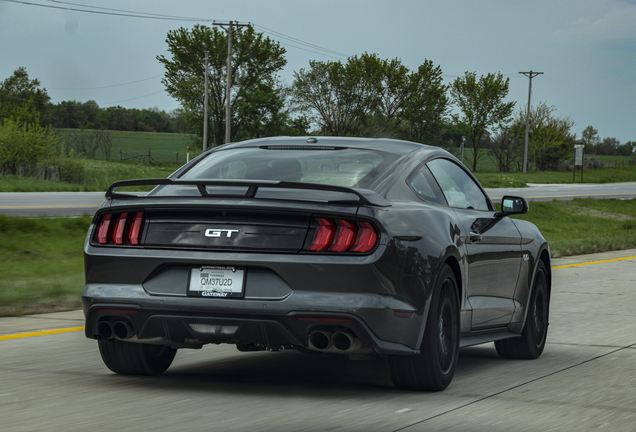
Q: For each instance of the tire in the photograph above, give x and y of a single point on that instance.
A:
(128, 358)
(532, 341)
(434, 367)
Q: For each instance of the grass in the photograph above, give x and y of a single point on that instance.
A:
(99, 175)
(585, 226)
(518, 179)
(41, 260)
(41, 264)
(163, 146)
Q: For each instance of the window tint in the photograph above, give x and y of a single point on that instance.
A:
(335, 166)
(459, 189)
(424, 185)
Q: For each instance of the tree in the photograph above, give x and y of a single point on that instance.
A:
(369, 96)
(482, 106)
(24, 144)
(255, 62)
(338, 97)
(609, 146)
(550, 138)
(627, 149)
(428, 103)
(591, 140)
(506, 148)
(21, 97)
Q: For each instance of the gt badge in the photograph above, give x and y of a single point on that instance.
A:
(212, 232)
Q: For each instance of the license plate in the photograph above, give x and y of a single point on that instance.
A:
(217, 282)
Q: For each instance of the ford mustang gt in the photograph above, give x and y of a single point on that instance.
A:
(350, 246)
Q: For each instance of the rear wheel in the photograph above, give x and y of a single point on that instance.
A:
(532, 341)
(434, 367)
(130, 358)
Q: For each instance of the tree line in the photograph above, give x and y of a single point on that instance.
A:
(19, 90)
(363, 96)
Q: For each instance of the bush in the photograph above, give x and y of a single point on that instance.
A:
(24, 144)
(71, 170)
(592, 163)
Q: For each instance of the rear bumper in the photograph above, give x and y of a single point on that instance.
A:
(181, 321)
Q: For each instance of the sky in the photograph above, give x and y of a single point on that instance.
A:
(586, 49)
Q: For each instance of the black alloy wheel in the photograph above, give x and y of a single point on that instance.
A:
(434, 367)
(532, 341)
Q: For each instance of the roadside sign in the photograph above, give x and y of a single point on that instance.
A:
(578, 155)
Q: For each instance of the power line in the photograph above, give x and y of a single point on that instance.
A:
(103, 87)
(291, 41)
(298, 41)
(122, 12)
(139, 97)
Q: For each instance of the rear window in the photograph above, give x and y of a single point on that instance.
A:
(327, 165)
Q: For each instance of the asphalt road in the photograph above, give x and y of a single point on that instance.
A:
(78, 203)
(585, 380)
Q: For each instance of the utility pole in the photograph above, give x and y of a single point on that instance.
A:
(525, 151)
(228, 115)
(230, 25)
(229, 84)
(205, 106)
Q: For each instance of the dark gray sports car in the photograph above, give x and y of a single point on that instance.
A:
(360, 247)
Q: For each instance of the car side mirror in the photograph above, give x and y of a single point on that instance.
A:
(511, 205)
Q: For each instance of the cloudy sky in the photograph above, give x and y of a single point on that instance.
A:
(586, 48)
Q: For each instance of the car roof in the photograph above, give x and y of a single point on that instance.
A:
(394, 146)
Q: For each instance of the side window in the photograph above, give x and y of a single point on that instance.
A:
(424, 185)
(459, 189)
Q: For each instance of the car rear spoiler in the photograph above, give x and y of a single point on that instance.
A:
(365, 196)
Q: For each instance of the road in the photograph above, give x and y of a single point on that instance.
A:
(78, 203)
(585, 380)
(50, 203)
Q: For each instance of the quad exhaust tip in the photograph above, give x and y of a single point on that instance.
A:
(320, 340)
(117, 330)
(339, 342)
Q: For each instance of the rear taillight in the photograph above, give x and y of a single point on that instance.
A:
(324, 235)
(340, 235)
(135, 230)
(120, 229)
(104, 226)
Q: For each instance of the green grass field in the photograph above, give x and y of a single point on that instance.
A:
(585, 226)
(41, 264)
(518, 179)
(99, 175)
(164, 147)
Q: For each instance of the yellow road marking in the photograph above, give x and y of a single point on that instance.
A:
(50, 206)
(594, 262)
(40, 333)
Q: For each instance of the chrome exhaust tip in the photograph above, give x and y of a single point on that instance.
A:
(320, 340)
(123, 330)
(342, 340)
(105, 330)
